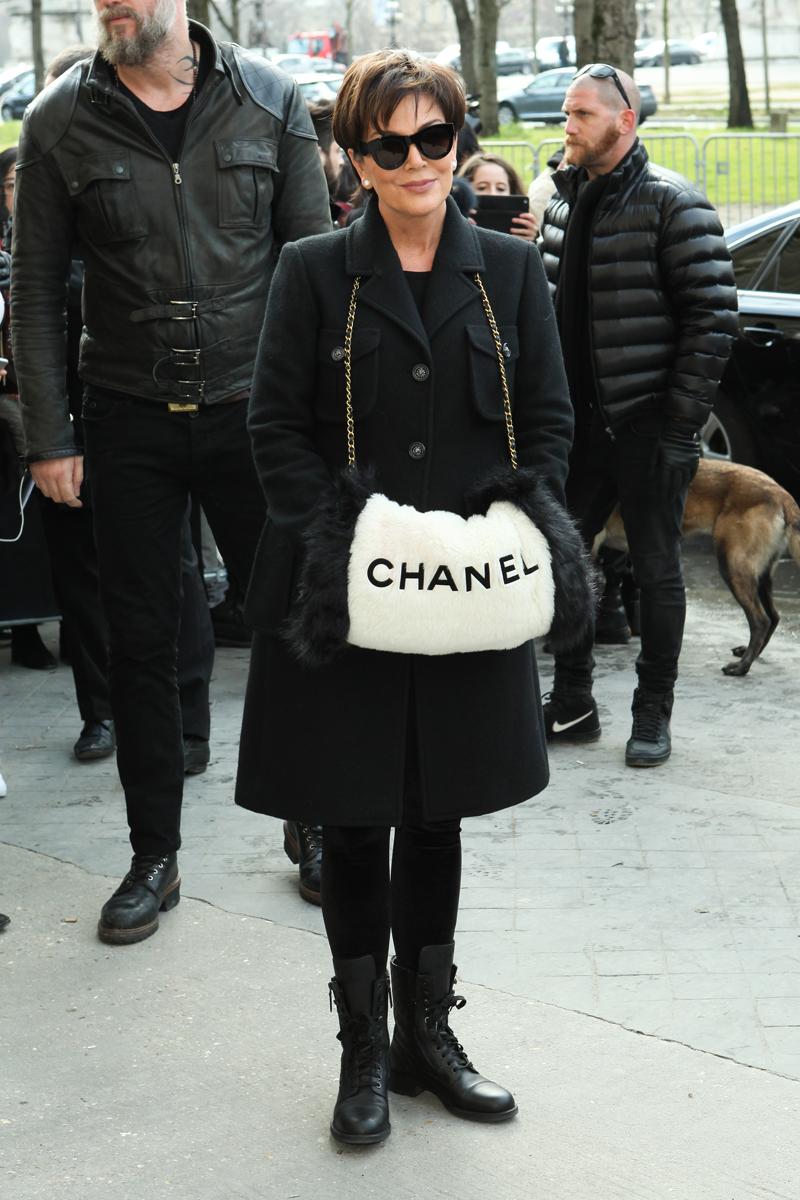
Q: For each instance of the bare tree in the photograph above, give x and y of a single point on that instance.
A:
(739, 113)
(605, 31)
(199, 10)
(37, 47)
(486, 62)
(465, 23)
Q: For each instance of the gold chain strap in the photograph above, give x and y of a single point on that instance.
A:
(348, 392)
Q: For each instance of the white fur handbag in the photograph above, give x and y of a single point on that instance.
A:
(439, 583)
(384, 576)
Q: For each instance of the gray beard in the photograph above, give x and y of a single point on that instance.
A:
(151, 33)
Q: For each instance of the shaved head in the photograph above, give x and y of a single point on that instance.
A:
(608, 94)
(600, 127)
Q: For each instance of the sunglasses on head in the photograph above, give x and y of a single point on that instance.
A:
(390, 150)
(604, 71)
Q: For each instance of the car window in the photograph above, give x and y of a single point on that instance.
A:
(789, 265)
(748, 259)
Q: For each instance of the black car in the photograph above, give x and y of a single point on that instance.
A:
(680, 54)
(18, 97)
(541, 99)
(756, 418)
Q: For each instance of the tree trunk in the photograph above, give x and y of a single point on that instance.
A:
(489, 14)
(739, 114)
(466, 38)
(198, 10)
(37, 49)
(605, 31)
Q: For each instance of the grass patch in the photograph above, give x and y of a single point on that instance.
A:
(9, 133)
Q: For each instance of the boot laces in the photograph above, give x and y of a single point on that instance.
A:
(361, 1039)
(648, 717)
(312, 835)
(437, 1019)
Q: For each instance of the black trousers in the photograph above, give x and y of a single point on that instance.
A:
(603, 473)
(73, 559)
(143, 464)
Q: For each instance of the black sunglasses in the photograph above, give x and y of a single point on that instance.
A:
(391, 150)
(604, 71)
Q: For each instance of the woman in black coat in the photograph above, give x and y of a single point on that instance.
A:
(361, 740)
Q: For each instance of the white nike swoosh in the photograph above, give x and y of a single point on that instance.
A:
(559, 728)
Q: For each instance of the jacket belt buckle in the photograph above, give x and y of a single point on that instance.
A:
(191, 315)
(183, 408)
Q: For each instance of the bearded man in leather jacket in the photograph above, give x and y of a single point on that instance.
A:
(646, 303)
(177, 165)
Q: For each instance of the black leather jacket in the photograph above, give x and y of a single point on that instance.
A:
(178, 256)
(662, 293)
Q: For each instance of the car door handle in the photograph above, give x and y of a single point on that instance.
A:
(763, 335)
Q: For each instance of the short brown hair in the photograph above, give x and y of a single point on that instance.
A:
(470, 168)
(375, 84)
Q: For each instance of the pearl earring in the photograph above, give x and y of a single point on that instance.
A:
(366, 183)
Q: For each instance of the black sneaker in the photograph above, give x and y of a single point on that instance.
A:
(570, 718)
(649, 744)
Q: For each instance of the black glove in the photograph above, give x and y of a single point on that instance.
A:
(678, 458)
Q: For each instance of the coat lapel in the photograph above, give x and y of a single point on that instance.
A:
(370, 254)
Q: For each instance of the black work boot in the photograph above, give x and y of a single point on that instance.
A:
(97, 740)
(151, 886)
(303, 844)
(570, 718)
(425, 1055)
(649, 743)
(361, 1114)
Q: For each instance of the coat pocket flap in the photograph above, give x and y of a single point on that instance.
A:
(482, 338)
(247, 152)
(94, 167)
(330, 346)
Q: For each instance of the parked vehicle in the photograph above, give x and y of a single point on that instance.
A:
(315, 86)
(17, 98)
(541, 99)
(510, 60)
(9, 75)
(330, 44)
(756, 418)
(555, 52)
(680, 53)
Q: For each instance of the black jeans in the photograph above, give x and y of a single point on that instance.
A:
(73, 559)
(143, 464)
(603, 473)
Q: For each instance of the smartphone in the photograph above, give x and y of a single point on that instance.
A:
(3, 363)
(497, 212)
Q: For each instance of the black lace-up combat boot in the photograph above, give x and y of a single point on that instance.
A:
(425, 1054)
(151, 886)
(361, 1115)
(303, 845)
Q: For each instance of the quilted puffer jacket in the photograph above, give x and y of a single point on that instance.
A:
(662, 293)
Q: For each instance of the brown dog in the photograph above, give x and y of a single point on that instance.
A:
(753, 521)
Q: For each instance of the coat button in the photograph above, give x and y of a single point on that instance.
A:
(337, 353)
(119, 169)
(420, 372)
(416, 450)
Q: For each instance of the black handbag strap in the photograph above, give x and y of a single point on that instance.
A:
(348, 383)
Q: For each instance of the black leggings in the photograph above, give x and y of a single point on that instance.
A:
(361, 902)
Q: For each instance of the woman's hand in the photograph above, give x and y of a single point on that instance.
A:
(526, 226)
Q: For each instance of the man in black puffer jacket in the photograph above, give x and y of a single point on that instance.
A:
(646, 302)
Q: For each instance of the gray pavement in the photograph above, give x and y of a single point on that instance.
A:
(202, 1063)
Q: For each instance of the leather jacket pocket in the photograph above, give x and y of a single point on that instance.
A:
(104, 192)
(329, 402)
(484, 371)
(246, 168)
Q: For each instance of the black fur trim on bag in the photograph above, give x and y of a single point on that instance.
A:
(573, 573)
(316, 630)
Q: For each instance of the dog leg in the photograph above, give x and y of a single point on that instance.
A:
(745, 590)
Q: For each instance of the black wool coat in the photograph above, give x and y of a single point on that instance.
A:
(328, 744)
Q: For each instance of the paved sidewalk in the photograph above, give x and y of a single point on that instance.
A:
(664, 902)
(202, 1065)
